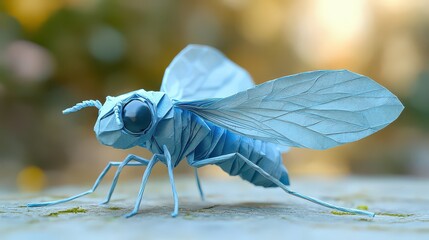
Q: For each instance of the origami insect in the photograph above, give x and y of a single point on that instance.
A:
(210, 112)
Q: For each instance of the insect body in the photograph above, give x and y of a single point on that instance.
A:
(209, 112)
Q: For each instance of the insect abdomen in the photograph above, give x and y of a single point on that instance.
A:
(264, 154)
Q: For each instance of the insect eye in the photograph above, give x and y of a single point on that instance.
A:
(136, 116)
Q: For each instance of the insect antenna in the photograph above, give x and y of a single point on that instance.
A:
(83, 104)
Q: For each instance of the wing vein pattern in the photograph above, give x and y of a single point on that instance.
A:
(318, 110)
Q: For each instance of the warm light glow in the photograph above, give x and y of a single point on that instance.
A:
(400, 64)
(31, 179)
(261, 20)
(332, 31)
(32, 13)
(397, 7)
(328, 163)
(235, 4)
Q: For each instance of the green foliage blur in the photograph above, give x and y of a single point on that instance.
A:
(56, 53)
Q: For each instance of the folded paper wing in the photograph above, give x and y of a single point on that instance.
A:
(201, 72)
(318, 110)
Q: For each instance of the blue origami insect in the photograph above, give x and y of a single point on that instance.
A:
(210, 112)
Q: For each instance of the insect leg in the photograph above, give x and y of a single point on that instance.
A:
(130, 157)
(191, 161)
(173, 185)
(146, 174)
(200, 189)
(288, 190)
(223, 158)
(213, 160)
(97, 182)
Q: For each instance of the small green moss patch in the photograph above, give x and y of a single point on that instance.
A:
(365, 208)
(362, 207)
(114, 208)
(394, 214)
(71, 210)
(341, 213)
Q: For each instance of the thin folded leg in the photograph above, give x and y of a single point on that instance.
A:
(173, 185)
(146, 175)
(232, 156)
(200, 189)
(130, 157)
(190, 159)
(94, 187)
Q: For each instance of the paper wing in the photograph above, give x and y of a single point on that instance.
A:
(200, 72)
(318, 110)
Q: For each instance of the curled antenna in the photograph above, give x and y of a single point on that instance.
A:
(84, 104)
(117, 115)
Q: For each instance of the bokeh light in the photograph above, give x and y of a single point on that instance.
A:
(27, 61)
(59, 52)
(332, 33)
(31, 179)
(106, 44)
(32, 13)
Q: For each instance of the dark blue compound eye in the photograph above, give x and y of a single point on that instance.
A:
(136, 116)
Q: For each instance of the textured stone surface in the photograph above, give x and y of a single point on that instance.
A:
(233, 209)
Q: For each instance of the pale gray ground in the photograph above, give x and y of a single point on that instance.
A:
(233, 209)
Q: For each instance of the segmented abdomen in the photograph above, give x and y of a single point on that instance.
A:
(266, 155)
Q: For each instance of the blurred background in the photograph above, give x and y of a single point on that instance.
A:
(55, 53)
